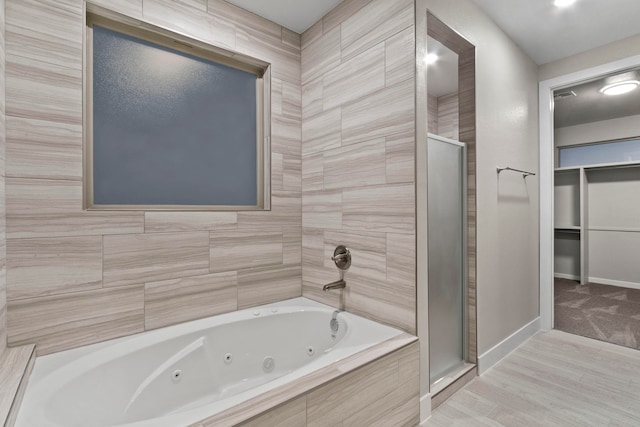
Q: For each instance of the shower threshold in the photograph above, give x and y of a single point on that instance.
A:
(450, 377)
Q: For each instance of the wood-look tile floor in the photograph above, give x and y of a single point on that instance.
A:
(554, 379)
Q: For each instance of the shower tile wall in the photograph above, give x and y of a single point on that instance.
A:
(3, 235)
(358, 145)
(443, 115)
(76, 277)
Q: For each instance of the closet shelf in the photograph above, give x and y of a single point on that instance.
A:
(603, 200)
(618, 229)
(599, 166)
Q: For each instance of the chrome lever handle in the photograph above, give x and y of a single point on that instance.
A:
(342, 257)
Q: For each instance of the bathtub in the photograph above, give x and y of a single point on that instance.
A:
(182, 374)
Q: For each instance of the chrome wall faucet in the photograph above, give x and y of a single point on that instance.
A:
(342, 258)
(338, 284)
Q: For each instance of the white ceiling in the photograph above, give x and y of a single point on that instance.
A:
(296, 15)
(548, 33)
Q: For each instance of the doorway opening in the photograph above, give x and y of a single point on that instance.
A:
(585, 217)
(596, 209)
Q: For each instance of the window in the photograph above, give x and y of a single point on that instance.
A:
(172, 124)
(620, 151)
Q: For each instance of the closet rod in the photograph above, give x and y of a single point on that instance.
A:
(507, 168)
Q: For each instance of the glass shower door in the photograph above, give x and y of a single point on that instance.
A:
(446, 254)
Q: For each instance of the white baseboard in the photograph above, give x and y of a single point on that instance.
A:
(566, 276)
(620, 283)
(506, 346)
(425, 408)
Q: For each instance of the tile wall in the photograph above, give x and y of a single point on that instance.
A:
(382, 393)
(358, 154)
(443, 115)
(76, 277)
(343, 129)
(3, 235)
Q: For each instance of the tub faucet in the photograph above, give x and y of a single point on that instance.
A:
(338, 284)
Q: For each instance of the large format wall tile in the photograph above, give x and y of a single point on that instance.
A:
(291, 38)
(284, 59)
(400, 162)
(132, 8)
(321, 132)
(290, 414)
(64, 321)
(3, 225)
(237, 250)
(48, 208)
(178, 300)
(355, 165)
(387, 208)
(384, 113)
(45, 31)
(368, 252)
(186, 19)
(312, 97)
(321, 55)
(262, 39)
(43, 149)
(286, 99)
(63, 256)
(155, 221)
(286, 134)
(322, 209)
(358, 146)
(401, 260)
(285, 212)
(268, 284)
(383, 393)
(138, 258)
(382, 300)
(341, 13)
(39, 267)
(399, 57)
(353, 79)
(377, 21)
(313, 172)
(39, 90)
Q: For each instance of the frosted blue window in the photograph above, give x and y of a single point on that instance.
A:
(606, 152)
(170, 128)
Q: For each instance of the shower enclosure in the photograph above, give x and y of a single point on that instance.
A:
(446, 198)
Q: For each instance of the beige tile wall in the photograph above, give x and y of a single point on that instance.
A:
(448, 116)
(382, 393)
(358, 145)
(3, 228)
(77, 277)
(443, 116)
(432, 106)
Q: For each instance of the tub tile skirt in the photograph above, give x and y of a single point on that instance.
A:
(384, 392)
(15, 366)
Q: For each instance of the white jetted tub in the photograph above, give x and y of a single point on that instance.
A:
(179, 375)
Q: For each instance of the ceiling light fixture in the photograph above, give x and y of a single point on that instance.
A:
(431, 58)
(620, 88)
(563, 3)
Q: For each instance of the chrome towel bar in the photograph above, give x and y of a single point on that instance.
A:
(507, 168)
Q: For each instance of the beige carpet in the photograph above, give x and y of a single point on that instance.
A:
(606, 313)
